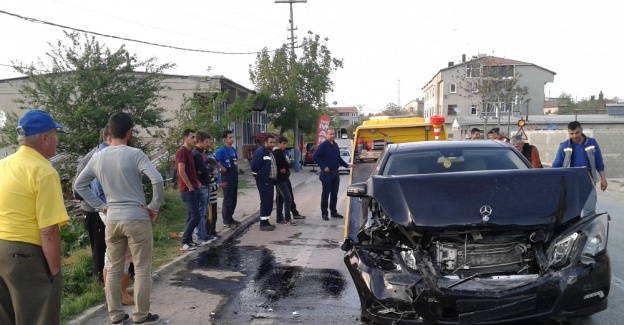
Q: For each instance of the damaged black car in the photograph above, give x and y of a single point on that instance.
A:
(467, 232)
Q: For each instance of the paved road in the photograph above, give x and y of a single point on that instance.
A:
(265, 277)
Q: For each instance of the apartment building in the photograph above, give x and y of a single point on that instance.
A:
(447, 92)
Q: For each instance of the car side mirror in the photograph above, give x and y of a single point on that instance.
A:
(357, 190)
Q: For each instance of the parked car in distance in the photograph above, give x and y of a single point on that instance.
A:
(467, 232)
(345, 154)
(309, 152)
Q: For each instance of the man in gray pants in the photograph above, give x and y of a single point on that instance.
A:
(128, 217)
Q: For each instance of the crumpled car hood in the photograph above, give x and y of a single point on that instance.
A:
(531, 197)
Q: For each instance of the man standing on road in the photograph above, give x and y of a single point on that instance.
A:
(583, 151)
(527, 150)
(128, 218)
(32, 211)
(203, 176)
(327, 156)
(96, 188)
(226, 157)
(475, 134)
(284, 199)
(189, 188)
(264, 170)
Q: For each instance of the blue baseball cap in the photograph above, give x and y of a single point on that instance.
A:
(36, 121)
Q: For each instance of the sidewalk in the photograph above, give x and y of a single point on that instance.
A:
(247, 212)
(616, 184)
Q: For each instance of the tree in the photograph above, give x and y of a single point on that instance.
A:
(207, 113)
(590, 106)
(393, 109)
(566, 104)
(85, 83)
(491, 86)
(295, 86)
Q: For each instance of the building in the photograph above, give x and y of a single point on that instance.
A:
(415, 107)
(448, 93)
(552, 107)
(347, 115)
(180, 88)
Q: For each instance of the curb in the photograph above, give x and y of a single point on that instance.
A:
(246, 223)
(226, 235)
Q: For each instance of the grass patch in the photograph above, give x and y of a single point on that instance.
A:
(81, 290)
(242, 183)
(171, 221)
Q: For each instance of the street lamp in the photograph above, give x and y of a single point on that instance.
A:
(292, 61)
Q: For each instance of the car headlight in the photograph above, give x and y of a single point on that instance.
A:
(562, 249)
(597, 235)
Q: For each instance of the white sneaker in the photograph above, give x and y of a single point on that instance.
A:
(204, 242)
(187, 247)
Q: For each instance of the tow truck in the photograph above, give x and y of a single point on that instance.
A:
(379, 131)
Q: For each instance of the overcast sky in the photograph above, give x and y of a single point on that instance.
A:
(391, 49)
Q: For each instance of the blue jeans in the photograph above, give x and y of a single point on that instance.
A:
(331, 184)
(284, 201)
(191, 201)
(204, 197)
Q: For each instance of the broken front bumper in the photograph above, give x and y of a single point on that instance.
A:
(403, 296)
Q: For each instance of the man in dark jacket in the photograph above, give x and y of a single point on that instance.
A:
(327, 156)
(527, 150)
(203, 176)
(264, 169)
(284, 198)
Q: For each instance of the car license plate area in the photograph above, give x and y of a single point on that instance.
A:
(479, 310)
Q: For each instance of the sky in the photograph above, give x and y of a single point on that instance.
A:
(391, 49)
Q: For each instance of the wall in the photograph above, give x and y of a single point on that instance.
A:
(547, 142)
(534, 79)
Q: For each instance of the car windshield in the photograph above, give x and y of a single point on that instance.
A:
(452, 160)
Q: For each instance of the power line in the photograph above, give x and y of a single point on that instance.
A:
(153, 27)
(34, 20)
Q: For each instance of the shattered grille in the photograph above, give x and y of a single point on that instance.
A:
(488, 258)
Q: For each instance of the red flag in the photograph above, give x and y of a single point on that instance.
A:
(321, 131)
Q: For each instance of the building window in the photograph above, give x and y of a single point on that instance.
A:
(453, 88)
(473, 109)
(451, 110)
(473, 70)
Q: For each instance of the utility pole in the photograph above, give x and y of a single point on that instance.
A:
(292, 65)
(399, 94)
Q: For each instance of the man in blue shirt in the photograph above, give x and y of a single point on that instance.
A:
(226, 157)
(582, 151)
(327, 156)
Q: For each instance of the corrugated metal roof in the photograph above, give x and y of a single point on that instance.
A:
(346, 109)
(542, 119)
